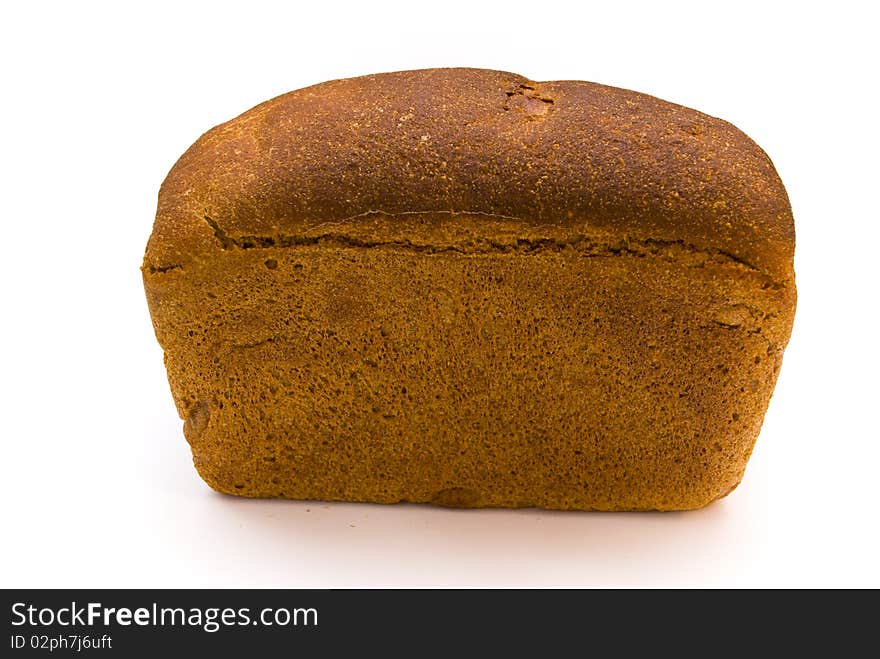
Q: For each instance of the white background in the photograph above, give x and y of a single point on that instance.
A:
(100, 100)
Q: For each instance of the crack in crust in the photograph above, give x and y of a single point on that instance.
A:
(526, 99)
(583, 244)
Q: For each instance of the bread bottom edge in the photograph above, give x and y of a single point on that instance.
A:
(458, 499)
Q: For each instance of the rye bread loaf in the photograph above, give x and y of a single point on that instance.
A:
(464, 287)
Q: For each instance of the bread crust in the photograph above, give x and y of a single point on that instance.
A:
(578, 155)
(463, 287)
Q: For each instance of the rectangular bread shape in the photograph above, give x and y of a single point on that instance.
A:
(463, 287)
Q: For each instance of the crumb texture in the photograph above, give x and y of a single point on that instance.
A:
(465, 288)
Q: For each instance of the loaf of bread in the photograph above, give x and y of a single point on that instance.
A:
(463, 287)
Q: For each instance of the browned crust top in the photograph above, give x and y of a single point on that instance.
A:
(577, 155)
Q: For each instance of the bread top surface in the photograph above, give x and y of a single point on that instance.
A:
(583, 157)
